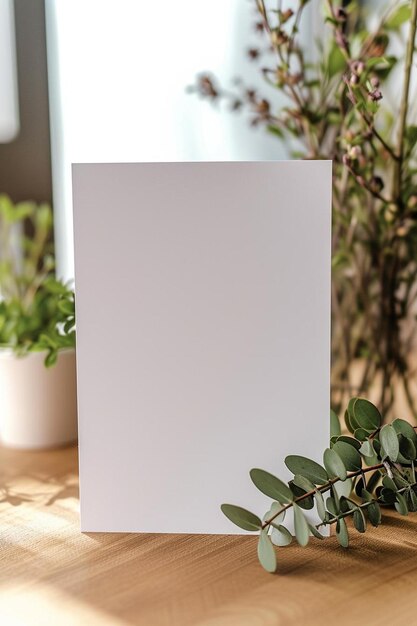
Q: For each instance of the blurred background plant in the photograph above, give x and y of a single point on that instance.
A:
(36, 310)
(349, 101)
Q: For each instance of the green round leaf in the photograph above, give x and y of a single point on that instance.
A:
(302, 531)
(412, 500)
(315, 532)
(373, 480)
(389, 441)
(335, 430)
(350, 419)
(349, 455)
(274, 510)
(350, 440)
(303, 483)
(348, 423)
(307, 502)
(366, 414)
(374, 514)
(332, 506)
(307, 468)
(241, 517)
(334, 464)
(401, 504)
(342, 533)
(388, 496)
(281, 536)
(367, 448)
(266, 553)
(389, 483)
(359, 520)
(343, 488)
(402, 427)
(321, 509)
(407, 448)
(271, 486)
(361, 434)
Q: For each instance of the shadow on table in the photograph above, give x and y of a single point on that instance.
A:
(38, 476)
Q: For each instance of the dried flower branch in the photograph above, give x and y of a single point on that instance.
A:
(338, 108)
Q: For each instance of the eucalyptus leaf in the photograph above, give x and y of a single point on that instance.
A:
(315, 532)
(266, 553)
(367, 449)
(388, 496)
(388, 482)
(302, 531)
(399, 480)
(274, 509)
(350, 440)
(350, 419)
(343, 488)
(359, 520)
(401, 504)
(332, 506)
(342, 533)
(281, 536)
(305, 502)
(373, 480)
(389, 441)
(303, 483)
(349, 455)
(307, 468)
(334, 464)
(366, 414)
(361, 434)
(321, 509)
(407, 448)
(271, 486)
(241, 517)
(374, 513)
(335, 429)
(412, 500)
(404, 428)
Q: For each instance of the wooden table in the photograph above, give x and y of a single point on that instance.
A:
(53, 575)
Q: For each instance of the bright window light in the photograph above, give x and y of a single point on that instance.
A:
(118, 71)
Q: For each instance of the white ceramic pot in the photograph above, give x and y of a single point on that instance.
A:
(38, 405)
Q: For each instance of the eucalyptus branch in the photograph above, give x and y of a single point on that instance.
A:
(384, 453)
(322, 489)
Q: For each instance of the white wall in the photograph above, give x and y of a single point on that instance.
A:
(118, 71)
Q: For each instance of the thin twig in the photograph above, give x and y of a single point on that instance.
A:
(322, 489)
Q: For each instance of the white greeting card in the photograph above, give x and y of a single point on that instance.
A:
(203, 325)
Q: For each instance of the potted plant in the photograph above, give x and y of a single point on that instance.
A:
(37, 333)
(351, 100)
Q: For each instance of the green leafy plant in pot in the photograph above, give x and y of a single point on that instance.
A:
(350, 99)
(37, 332)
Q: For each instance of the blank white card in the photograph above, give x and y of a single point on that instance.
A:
(203, 326)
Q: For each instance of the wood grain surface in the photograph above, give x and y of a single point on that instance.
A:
(53, 575)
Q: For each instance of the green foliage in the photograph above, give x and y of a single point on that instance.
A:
(266, 553)
(348, 102)
(37, 311)
(241, 517)
(359, 478)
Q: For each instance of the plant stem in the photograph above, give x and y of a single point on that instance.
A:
(321, 488)
(404, 103)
